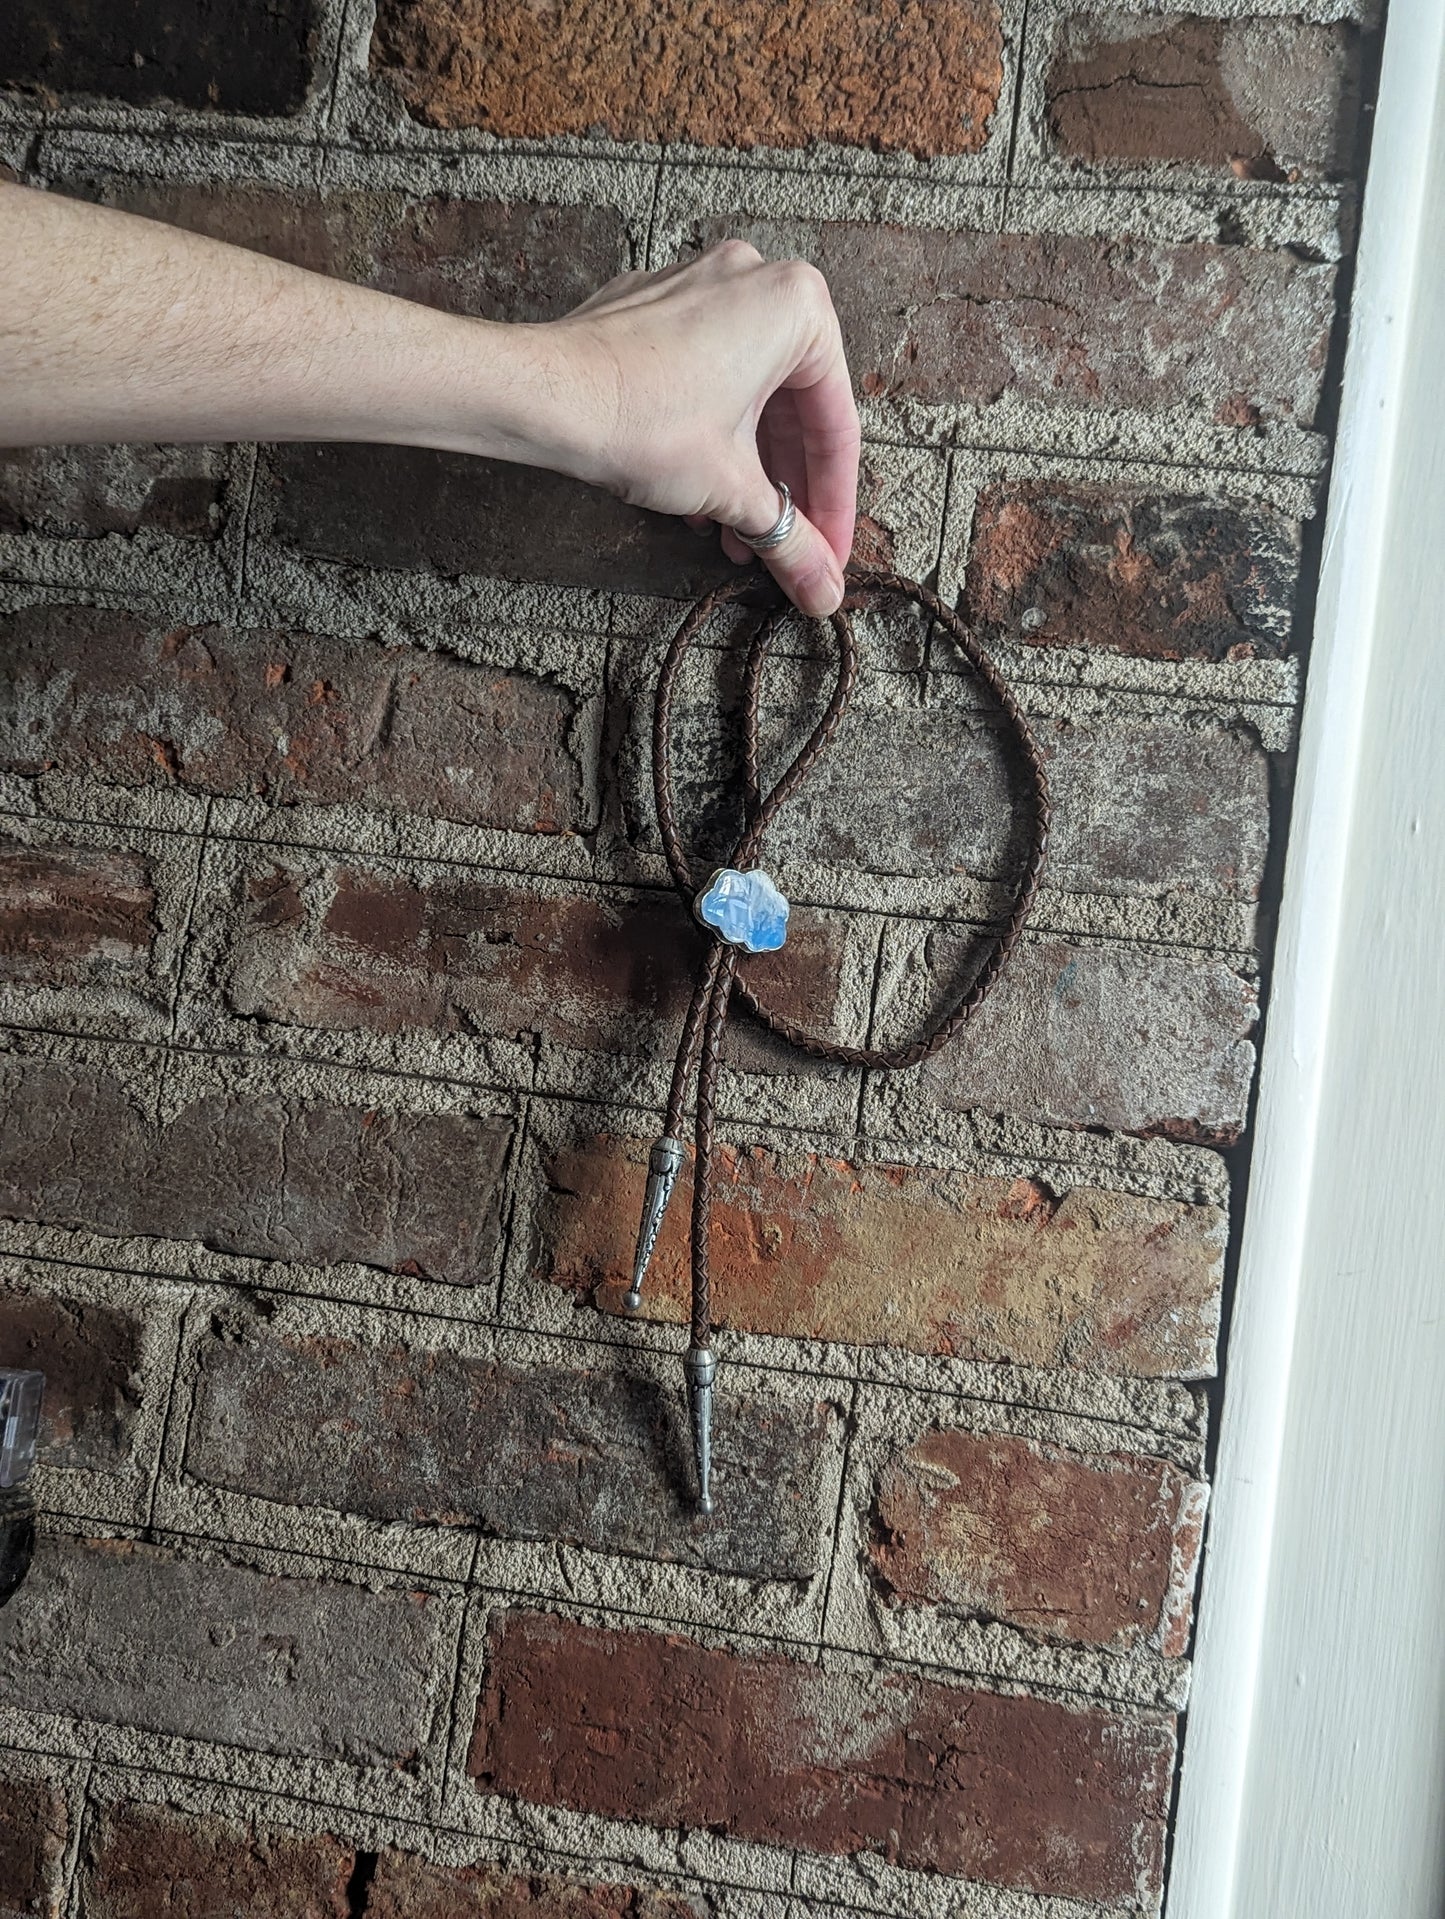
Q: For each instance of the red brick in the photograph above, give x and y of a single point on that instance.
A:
(32, 1838)
(905, 74)
(296, 719)
(1165, 577)
(1102, 1550)
(406, 1887)
(89, 1355)
(386, 953)
(1015, 1791)
(75, 492)
(590, 1457)
(70, 914)
(142, 1860)
(1065, 320)
(199, 53)
(949, 1263)
(491, 259)
(135, 1635)
(1270, 98)
(1095, 1036)
(267, 1177)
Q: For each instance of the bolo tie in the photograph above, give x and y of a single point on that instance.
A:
(744, 911)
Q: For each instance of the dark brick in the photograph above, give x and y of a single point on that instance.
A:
(352, 949)
(406, 1887)
(994, 1269)
(1271, 98)
(267, 1177)
(1101, 1549)
(1164, 577)
(294, 718)
(70, 914)
(32, 1838)
(239, 56)
(90, 1356)
(143, 1860)
(81, 492)
(1065, 320)
(906, 75)
(1113, 1037)
(134, 1635)
(449, 514)
(1010, 1790)
(491, 259)
(591, 1457)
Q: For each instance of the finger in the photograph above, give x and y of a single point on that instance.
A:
(699, 522)
(619, 283)
(829, 440)
(780, 445)
(805, 565)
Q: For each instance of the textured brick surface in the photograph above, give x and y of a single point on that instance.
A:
(271, 1177)
(292, 717)
(1140, 805)
(406, 1887)
(1164, 577)
(84, 491)
(1098, 1549)
(1069, 321)
(89, 1355)
(1271, 98)
(448, 514)
(1088, 1036)
(359, 949)
(242, 56)
(587, 1456)
(492, 259)
(134, 1635)
(991, 1269)
(904, 74)
(143, 1860)
(32, 1835)
(1015, 1791)
(69, 913)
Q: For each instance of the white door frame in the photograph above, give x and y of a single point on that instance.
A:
(1313, 1783)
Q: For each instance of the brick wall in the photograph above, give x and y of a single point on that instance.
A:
(339, 980)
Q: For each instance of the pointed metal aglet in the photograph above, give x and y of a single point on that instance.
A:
(699, 1364)
(663, 1166)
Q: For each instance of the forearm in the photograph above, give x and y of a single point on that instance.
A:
(118, 328)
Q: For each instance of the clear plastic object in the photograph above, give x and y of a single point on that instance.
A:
(20, 1395)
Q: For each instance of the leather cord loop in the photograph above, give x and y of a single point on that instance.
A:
(718, 985)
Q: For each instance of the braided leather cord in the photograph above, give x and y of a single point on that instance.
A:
(719, 986)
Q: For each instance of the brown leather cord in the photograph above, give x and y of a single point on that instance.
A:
(719, 986)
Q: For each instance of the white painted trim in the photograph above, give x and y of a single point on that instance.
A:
(1312, 1788)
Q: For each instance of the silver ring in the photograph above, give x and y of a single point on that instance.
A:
(779, 530)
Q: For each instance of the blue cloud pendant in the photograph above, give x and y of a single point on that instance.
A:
(745, 909)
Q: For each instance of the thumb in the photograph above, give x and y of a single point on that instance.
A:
(804, 564)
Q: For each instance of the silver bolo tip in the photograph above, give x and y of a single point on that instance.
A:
(699, 1364)
(663, 1165)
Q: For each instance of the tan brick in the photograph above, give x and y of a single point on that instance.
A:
(1097, 1549)
(1011, 1790)
(951, 1263)
(892, 74)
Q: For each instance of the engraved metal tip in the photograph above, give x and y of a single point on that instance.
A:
(699, 1365)
(663, 1165)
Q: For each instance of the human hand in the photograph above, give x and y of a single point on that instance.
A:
(707, 382)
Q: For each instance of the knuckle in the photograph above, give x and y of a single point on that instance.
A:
(803, 281)
(735, 252)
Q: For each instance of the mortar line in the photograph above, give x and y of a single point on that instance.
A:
(70, 1887)
(243, 533)
(328, 113)
(736, 1643)
(598, 1343)
(1016, 105)
(850, 1423)
(171, 1415)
